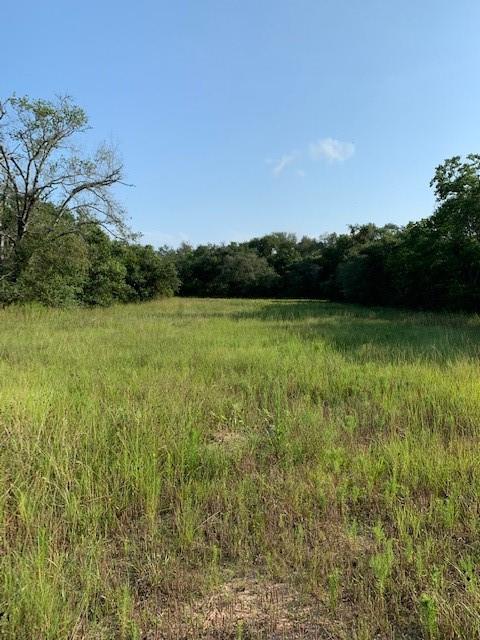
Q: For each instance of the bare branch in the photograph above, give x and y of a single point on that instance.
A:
(39, 163)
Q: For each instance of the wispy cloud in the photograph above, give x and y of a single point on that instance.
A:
(282, 163)
(331, 149)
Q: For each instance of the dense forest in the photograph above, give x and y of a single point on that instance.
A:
(64, 241)
(433, 263)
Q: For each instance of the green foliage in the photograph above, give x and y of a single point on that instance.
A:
(245, 273)
(148, 273)
(83, 266)
(106, 279)
(40, 165)
(55, 274)
(433, 263)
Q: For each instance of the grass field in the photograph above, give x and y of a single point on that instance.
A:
(239, 469)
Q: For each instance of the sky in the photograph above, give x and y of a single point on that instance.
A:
(236, 118)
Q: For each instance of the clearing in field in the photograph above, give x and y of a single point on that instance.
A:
(239, 469)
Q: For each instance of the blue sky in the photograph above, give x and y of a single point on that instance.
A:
(240, 117)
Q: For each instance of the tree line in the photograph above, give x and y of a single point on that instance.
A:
(64, 239)
(433, 263)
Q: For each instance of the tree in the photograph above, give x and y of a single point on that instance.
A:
(456, 226)
(245, 273)
(457, 190)
(149, 273)
(39, 163)
(279, 249)
(105, 280)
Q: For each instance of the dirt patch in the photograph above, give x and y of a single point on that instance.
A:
(246, 608)
(226, 438)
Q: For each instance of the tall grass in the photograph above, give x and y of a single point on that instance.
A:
(148, 452)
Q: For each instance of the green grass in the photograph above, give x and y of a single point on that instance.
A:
(152, 453)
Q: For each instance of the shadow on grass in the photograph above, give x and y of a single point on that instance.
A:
(363, 333)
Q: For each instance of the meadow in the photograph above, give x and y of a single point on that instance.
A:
(199, 468)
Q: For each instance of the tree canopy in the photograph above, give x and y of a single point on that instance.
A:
(433, 263)
(64, 237)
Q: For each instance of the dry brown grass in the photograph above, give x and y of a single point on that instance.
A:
(249, 607)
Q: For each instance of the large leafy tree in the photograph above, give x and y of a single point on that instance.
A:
(456, 224)
(457, 189)
(40, 163)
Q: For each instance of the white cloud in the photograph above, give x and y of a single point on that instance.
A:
(280, 165)
(328, 149)
(331, 150)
